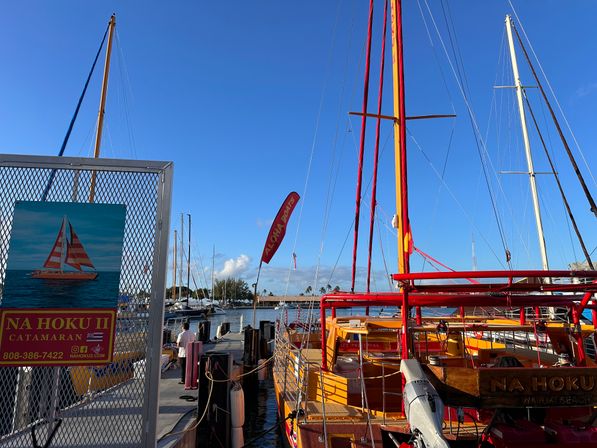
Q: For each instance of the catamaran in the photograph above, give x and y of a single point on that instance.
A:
(517, 375)
(66, 251)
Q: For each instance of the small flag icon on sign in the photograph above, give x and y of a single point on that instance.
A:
(95, 337)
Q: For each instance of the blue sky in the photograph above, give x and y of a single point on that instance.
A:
(100, 228)
(244, 97)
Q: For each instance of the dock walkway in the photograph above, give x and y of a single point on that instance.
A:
(114, 418)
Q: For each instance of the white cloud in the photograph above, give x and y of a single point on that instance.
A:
(234, 267)
(264, 223)
(586, 90)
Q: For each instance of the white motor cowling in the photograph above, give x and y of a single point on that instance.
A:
(423, 407)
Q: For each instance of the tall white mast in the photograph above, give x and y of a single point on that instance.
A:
(174, 266)
(181, 255)
(527, 145)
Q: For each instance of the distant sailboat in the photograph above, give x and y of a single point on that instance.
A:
(68, 251)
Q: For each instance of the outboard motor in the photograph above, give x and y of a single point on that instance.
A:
(423, 407)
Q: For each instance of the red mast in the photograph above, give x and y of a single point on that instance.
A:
(362, 147)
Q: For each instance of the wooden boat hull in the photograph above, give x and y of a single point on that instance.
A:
(57, 275)
(515, 387)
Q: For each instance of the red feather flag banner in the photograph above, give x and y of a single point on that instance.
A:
(274, 238)
(278, 229)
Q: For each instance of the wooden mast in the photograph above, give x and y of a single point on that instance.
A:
(102, 109)
(404, 236)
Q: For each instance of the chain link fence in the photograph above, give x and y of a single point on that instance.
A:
(94, 406)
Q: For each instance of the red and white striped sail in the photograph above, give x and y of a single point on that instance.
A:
(75, 252)
(54, 260)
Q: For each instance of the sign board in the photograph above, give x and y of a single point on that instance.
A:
(61, 287)
(56, 337)
(547, 387)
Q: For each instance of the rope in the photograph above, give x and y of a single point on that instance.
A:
(383, 257)
(314, 142)
(430, 258)
(557, 177)
(198, 422)
(376, 151)
(362, 147)
(537, 343)
(335, 172)
(229, 380)
(444, 81)
(588, 195)
(463, 210)
(479, 142)
(552, 92)
(124, 75)
(72, 121)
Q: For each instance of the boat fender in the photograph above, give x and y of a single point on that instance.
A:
(219, 332)
(237, 439)
(237, 406)
(262, 372)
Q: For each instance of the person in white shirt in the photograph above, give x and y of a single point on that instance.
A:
(184, 337)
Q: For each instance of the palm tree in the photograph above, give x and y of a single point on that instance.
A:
(336, 288)
(309, 290)
(328, 287)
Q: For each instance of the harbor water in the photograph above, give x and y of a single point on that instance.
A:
(261, 415)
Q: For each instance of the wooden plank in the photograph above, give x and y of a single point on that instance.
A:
(516, 387)
(333, 411)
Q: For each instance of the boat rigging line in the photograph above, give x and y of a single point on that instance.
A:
(450, 99)
(451, 193)
(335, 166)
(362, 146)
(313, 145)
(376, 151)
(479, 141)
(126, 85)
(46, 191)
(559, 184)
(593, 206)
(552, 92)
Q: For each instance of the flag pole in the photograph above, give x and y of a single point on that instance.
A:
(255, 293)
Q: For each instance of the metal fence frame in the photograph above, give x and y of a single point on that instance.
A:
(164, 171)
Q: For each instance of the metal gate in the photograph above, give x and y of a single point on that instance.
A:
(114, 405)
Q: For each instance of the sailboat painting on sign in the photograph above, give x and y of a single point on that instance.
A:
(66, 251)
(64, 255)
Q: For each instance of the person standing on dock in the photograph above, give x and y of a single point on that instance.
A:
(184, 337)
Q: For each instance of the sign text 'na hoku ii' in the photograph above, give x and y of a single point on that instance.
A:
(60, 292)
